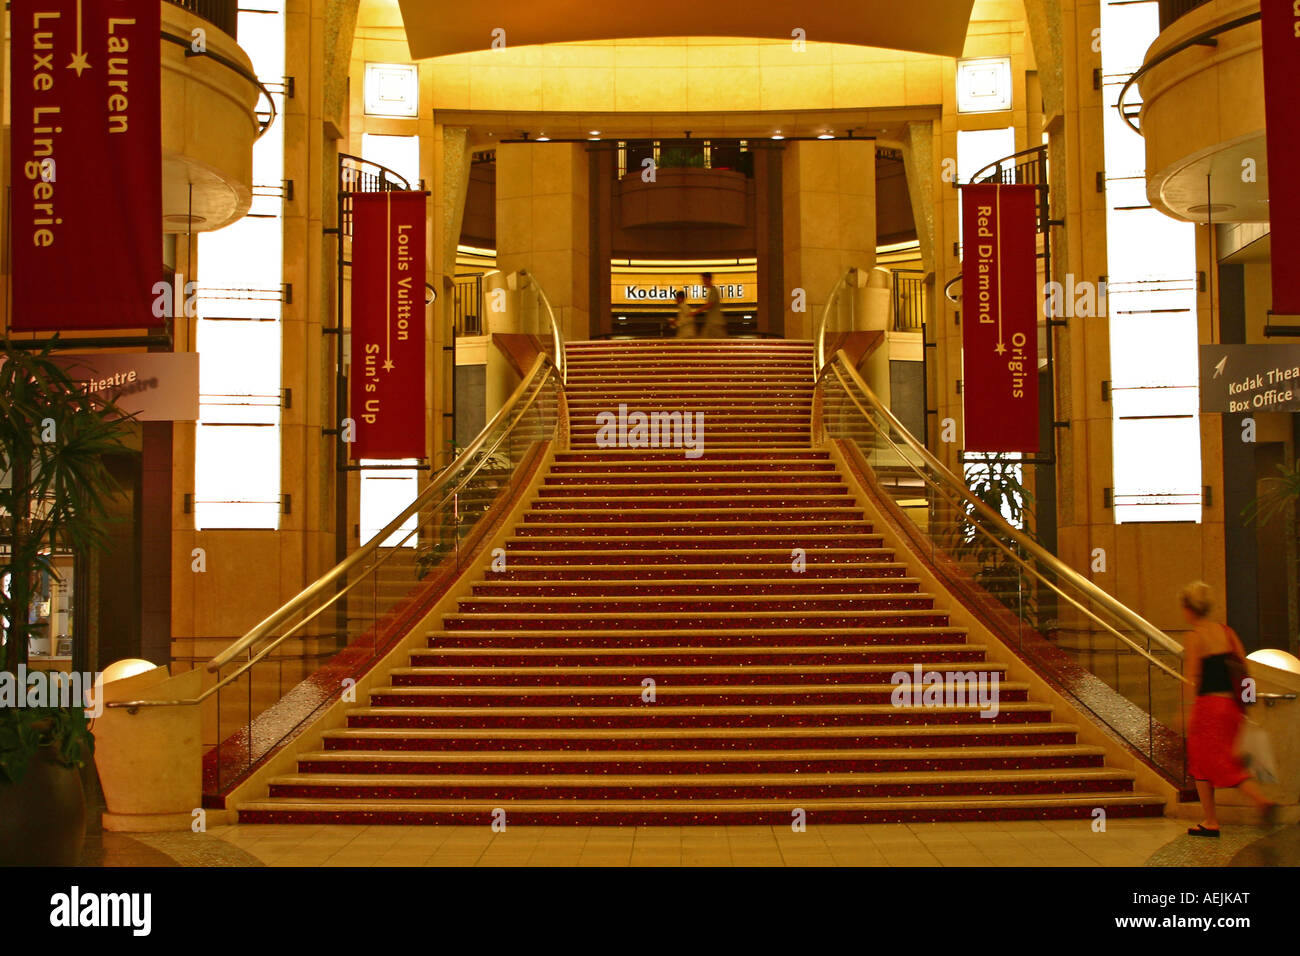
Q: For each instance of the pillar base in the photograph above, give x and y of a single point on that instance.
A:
(147, 822)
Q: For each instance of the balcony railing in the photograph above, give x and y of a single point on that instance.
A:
(467, 305)
(909, 300)
(222, 14)
(1171, 10)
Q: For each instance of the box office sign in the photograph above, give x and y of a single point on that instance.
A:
(153, 386)
(86, 163)
(1250, 378)
(386, 381)
(999, 318)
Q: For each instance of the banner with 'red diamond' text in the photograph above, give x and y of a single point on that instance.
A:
(999, 317)
(1280, 35)
(85, 163)
(387, 376)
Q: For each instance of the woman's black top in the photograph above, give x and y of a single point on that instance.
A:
(1214, 674)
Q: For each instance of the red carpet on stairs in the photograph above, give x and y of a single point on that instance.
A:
(652, 654)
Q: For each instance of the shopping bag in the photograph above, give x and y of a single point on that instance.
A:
(1255, 752)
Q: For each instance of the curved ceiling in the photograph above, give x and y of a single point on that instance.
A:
(441, 27)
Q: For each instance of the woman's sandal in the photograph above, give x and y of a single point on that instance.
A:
(1200, 830)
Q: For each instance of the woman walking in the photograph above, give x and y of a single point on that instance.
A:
(684, 321)
(1213, 663)
(715, 323)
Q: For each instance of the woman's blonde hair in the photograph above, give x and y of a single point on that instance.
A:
(1198, 598)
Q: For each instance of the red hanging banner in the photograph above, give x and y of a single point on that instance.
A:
(1280, 30)
(387, 377)
(999, 318)
(85, 163)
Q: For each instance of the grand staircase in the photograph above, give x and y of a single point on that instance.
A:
(653, 654)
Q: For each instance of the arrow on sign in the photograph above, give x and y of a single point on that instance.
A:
(388, 264)
(79, 61)
(1001, 347)
(1218, 369)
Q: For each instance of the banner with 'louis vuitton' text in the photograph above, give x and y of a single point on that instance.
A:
(388, 288)
(86, 163)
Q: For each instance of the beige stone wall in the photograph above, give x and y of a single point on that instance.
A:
(684, 75)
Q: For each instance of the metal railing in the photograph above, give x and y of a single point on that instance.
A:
(909, 300)
(266, 117)
(467, 305)
(1128, 111)
(538, 318)
(342, 623)
(837, 316)
(1110, 660)
(222, 14)
(1171, 10)
(1025, 168)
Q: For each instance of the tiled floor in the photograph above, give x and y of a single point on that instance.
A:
(1022, 843)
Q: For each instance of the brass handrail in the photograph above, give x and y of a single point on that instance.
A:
(443, 487)
(1039, 152)
(819, 333)
(557, 339)
(843, 368)
(237, 69)
(1200, 39)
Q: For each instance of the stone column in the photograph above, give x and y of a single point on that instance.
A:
(829, 221)
(543, 225)
(1077, 156)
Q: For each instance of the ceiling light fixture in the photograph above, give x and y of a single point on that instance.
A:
(543, 138)
(826, 135)
(777, 135)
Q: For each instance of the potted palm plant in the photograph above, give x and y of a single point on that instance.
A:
(54, 493)
(1278, 495)
(997, 481)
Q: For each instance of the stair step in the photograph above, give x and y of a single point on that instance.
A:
(543, 697)
(901, 656)
(607, 739)
(595, 676)
(710, 715)
(695, 811)
(723, 620)
(805, 587)
(659, 603)
(883, 635)
(702, 786)
(877, 760)
(687, 573)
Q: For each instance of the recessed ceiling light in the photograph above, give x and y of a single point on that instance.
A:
(594, 132)
(825, 135)
(777, 135)
(543, 138)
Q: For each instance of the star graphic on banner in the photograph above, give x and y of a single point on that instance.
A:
(1000, 348)
(79, 63)
(389, 366)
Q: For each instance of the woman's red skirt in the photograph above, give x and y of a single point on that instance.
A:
(1211, 737)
